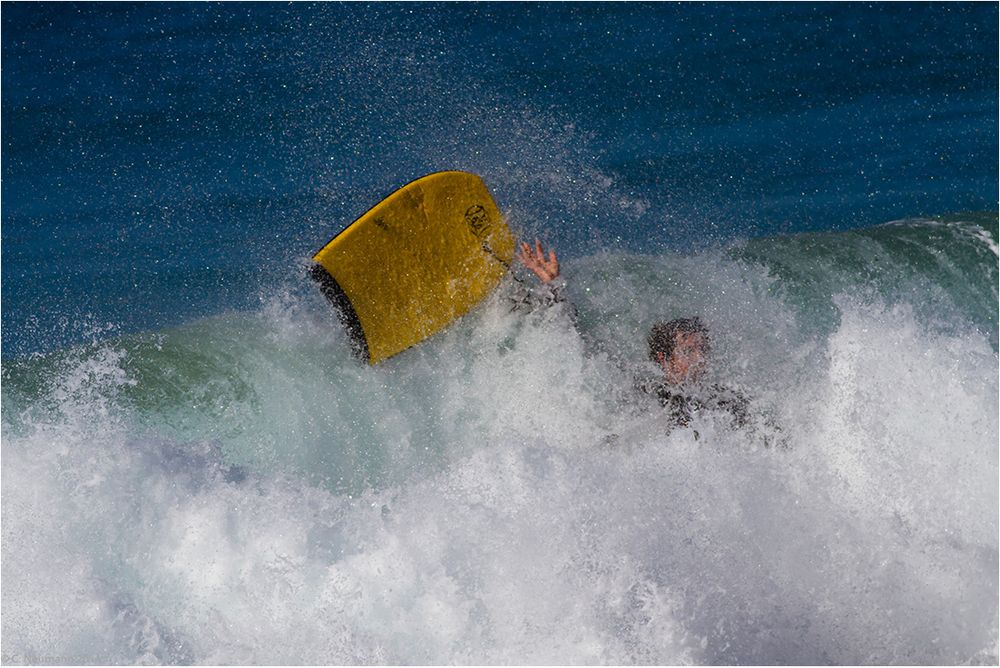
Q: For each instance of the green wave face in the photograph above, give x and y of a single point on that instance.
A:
(945, 268)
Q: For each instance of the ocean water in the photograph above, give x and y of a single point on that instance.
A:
(195, 469)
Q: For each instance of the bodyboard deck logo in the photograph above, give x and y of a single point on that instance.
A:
(478, 220)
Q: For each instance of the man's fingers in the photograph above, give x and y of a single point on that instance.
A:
(527, 251)
(529, 260)
(546, 268)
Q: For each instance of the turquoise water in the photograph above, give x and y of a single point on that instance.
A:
(195, 469)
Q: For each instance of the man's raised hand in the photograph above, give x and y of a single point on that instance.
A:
(535, 260)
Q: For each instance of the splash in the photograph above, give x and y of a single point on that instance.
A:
(239, 490)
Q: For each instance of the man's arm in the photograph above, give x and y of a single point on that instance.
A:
(546, 268)
(762, 424)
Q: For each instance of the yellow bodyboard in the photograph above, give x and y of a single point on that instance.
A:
(416, 262)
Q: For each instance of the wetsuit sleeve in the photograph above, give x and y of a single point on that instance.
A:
(530, 298)
(762, 425)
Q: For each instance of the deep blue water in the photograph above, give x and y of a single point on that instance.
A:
(167, 161)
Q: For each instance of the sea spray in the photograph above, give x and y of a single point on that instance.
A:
(241, 490)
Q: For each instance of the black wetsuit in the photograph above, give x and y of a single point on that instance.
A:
(683, 406)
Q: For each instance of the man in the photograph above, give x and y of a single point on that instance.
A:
(681, 347)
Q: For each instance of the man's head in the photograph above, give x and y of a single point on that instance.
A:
(681, 347)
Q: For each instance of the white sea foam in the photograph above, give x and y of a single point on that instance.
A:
(466, 502)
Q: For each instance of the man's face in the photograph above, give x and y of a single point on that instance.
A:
(688, 359)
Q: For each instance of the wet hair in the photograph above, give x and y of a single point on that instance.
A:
(663, 336)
